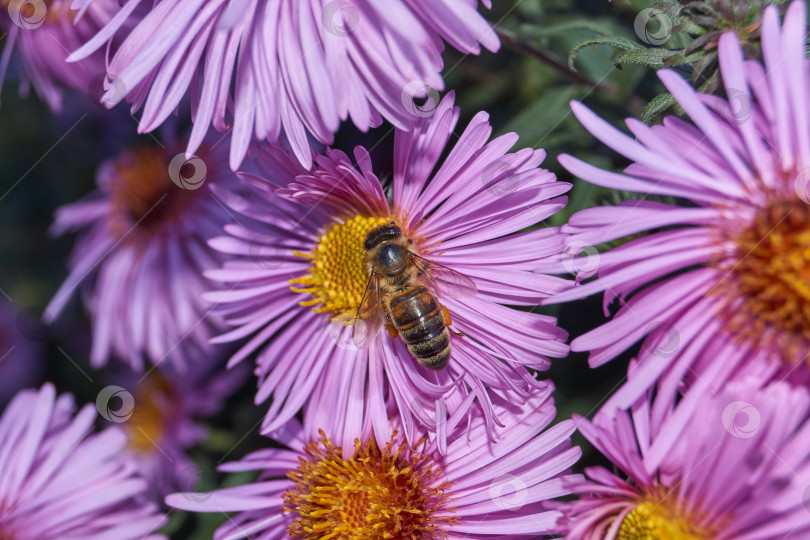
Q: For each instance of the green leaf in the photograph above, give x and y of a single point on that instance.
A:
(616, 42)
(657, 106)
(656, 58)
(545, 116)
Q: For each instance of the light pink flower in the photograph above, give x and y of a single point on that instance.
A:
(731, 465)
(60, 482)
(720, 278)
(301, 66)
(479, 489)
(141, 252)
(297, 274)
(40, 36)
(165, 418)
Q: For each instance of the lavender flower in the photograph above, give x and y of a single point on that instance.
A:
(298, 276)
(57, 481)
(479, 489)
(722, 280)
(300, 66)
(141, 253)
(162, 415)
(736, 465)
(43, 34)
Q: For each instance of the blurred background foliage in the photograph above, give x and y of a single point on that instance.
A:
(47, 161)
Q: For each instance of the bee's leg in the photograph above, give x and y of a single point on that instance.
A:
(392, 330)
(448, 321)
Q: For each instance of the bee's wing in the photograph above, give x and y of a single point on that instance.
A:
(370, 314)
(443, 280)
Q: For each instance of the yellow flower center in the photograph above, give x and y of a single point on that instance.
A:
(771, 274)
(152, 415)
(661, 521)
(388, 493)
(142, 192)
(337, 276)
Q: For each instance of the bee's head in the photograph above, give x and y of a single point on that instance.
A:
(383, 233)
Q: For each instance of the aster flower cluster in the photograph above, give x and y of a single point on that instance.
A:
(707, 431)
(393, 304)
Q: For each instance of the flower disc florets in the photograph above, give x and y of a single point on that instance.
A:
(337, 277)
(388, 493)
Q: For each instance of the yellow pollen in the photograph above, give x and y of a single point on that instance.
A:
(661, 521)
(771, 274)
(390, 493)
(142, 192)
(152, 416)
(337, 276)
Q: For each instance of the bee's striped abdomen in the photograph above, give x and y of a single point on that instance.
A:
(418, 317)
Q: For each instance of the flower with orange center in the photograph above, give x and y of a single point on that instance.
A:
(767, 293)
(375, 494)
(316, 489)
(143, 196)
(141, 252)
(154, 416)
(737, 468)
(298, 274)
(162, 420)
(718, 284)
(61, 479)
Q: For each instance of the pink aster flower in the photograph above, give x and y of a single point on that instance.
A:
(141, 252)
(298, 275)
(43, 33)
(737, 467)
(725, 275)
(59, 482)
(300, 66)
(160, 413)
(479, 489)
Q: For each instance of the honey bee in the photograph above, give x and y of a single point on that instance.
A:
(402, 294)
